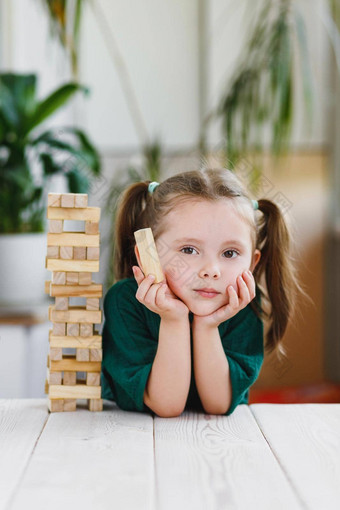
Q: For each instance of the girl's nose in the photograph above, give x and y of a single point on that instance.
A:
(210, 271)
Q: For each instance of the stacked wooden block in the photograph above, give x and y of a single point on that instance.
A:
(73, 257)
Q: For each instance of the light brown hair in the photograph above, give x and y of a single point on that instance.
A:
(137, 209)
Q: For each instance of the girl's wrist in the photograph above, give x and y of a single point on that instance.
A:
(175, 319)
(202, 323)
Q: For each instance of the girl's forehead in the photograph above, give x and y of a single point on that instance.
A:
(206, 216)
(191, 209)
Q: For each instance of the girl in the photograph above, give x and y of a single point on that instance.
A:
(196, 340)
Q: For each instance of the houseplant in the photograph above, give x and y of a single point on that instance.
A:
(29, 158)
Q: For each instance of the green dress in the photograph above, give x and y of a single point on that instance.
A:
(130, 337)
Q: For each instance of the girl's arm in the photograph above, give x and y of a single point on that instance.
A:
(168, 385)
(211, 369)
(211, 366)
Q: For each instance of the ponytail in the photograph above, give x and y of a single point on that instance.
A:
(276, 265)
(129, 218)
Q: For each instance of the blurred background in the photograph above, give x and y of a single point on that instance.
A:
(96, 94)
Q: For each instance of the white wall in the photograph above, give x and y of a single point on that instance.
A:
(158, 42)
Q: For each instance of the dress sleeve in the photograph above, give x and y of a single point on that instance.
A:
(129, 349)
(243, 345)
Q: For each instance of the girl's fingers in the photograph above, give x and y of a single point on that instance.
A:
(160, 296)
(233, 297)
(143, 284)
(250, 282)
(138, 274)
(243, 289)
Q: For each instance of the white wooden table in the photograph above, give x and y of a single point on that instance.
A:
(263, 456)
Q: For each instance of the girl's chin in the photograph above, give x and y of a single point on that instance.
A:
(203, 309)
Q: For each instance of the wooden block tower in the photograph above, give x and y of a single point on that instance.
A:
(73, 257)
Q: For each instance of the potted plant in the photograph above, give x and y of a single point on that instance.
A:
(29, 158)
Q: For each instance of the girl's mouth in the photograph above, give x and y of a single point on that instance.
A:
(207, 294)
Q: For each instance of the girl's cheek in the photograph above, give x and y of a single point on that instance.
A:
(233, 283)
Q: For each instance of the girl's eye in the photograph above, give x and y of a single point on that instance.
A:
(230, 254)
(187, 248)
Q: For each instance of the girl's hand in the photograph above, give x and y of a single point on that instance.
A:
(246, 286)
(158, 297)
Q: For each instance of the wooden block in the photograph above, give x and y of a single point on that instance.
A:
(70, 378)
(85, 279)
(93, 253)
(72, 329)
(67, 200)
(79, 253)
(56, 353)
(70, 364)
(93, 378)
(54, 377)
(83, 355)
(148, 254)
(86, 329)
(92, 304)
(52, 252)
(76, 391)
(96, 354)
(88, 214)
(59, 329)
(72, 278)
(55, 226)
(56, 405)
(73, 239)
(90, 266)
(93, 342)
(95, 404)
(59, 277)
(61, 303)
(66, 252)
(54, 200)
(75, 314)
(94, 290)
(70, 404)
(48, 287)
(81, 200)
(91, 227)
(46, 387)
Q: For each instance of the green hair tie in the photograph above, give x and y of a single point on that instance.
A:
(152, 186)
(255, 204)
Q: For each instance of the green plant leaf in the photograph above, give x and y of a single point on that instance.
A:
(17, 96)
(77, 181)
(51, 104)
(81, 153)
(8, 109)
(48, 164)
(87, 148)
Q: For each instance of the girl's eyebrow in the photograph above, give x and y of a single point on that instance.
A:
(199, 241)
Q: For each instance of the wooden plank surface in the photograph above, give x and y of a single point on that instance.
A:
(305, 439)
(83, 214)
(73, 239)
(21, 423)
(90, 266)
(217, 462)
(264, 456)
(91, 461)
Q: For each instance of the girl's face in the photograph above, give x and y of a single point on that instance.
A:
(205, 245)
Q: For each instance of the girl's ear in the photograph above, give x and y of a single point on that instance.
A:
(256, 259)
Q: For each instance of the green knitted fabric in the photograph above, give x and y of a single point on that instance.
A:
(130, 337)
